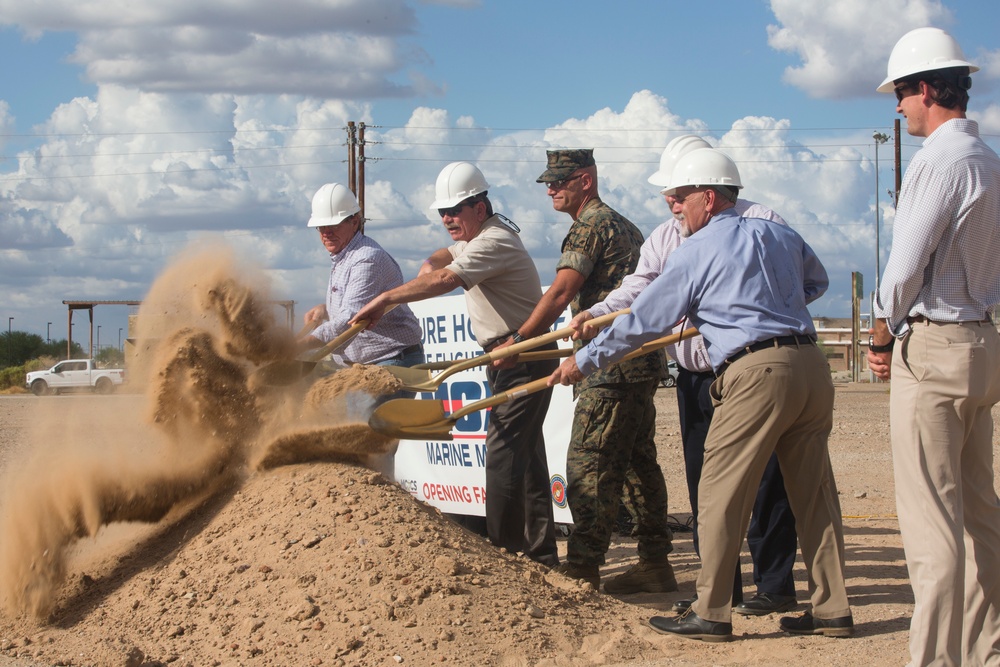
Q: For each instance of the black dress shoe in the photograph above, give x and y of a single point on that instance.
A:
(763, 604)
(828, 627)
(681, 606)
(692, 626)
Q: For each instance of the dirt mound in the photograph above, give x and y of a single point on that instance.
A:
(325, 564)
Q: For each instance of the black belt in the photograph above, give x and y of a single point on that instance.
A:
(413, 349)
(779, 341)
(496, 341)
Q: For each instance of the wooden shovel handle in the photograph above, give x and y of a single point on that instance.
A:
(341, 340)
(541, 383)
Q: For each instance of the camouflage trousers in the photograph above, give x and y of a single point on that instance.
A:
(613, 431)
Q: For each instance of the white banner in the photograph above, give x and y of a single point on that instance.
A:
(452, 475)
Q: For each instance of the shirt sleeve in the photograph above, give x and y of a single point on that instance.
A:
(924, 212)
(656, 310)
(815, 280)
(581, 248)
(360, 287)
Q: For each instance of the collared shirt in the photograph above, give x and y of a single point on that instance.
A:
(500, 277)
(739, 280)
(359, 273)
(604, 247)
(691, 353)
(946, 235)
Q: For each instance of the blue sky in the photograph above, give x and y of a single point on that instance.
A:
(133, 129)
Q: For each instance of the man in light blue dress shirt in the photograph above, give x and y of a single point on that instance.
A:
(745, 284)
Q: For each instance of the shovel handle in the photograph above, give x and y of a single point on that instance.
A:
(550, 337)
(341, 340)
(503, 397)
(659, 343)
(526, 356)
(308, 328)
(517, 348)
(541, 383)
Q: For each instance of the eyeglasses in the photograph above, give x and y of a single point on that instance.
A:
(901, 90)
(559, 185)
(680, 199)
(454, 210)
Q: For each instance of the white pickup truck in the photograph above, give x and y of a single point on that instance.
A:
(74, 374)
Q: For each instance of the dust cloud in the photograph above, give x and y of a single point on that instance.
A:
(206, 422)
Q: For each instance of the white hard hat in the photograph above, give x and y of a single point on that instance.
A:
(923, 50)
(705, 166)
(332, 204)
(677, 147)
(457, 182)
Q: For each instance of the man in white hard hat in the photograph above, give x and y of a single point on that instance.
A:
(771, 535)
(489, 261)
(360, 270)
(935, 337)
(614, 421)
(744, 283)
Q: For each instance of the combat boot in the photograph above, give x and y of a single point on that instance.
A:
(589, 573)
(643, 577)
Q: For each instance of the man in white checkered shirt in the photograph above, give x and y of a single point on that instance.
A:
(935, 337)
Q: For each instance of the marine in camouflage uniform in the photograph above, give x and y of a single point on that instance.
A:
(614, 422)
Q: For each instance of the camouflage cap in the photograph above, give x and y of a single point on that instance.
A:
(563, 163)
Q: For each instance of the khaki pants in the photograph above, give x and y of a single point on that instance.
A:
(777, 400)
(945, 381)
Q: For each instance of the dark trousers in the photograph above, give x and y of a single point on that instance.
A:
(771, 535)
(518, 494)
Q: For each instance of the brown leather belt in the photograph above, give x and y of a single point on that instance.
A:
(917, 319)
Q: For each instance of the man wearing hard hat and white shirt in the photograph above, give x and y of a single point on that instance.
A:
(771, 535)
(360, 270)
(744, 283)
(489, 261)
(935, 337)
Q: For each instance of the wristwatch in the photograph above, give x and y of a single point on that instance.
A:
(878, 349)
(516, 337)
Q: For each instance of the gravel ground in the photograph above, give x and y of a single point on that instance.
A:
(572, 626)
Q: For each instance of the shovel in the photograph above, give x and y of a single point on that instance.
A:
(416, 379)
(527, 356)
(425, 420)
(281, 373)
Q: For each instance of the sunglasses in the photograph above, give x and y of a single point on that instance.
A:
(454, 210)
(559, 185)
(902, 90)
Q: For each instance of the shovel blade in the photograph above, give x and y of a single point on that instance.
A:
(413, 379)
(411, 419)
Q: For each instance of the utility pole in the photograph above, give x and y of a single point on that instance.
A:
(48, 332)
(352, 179)
(880, 138)
(361, 173)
